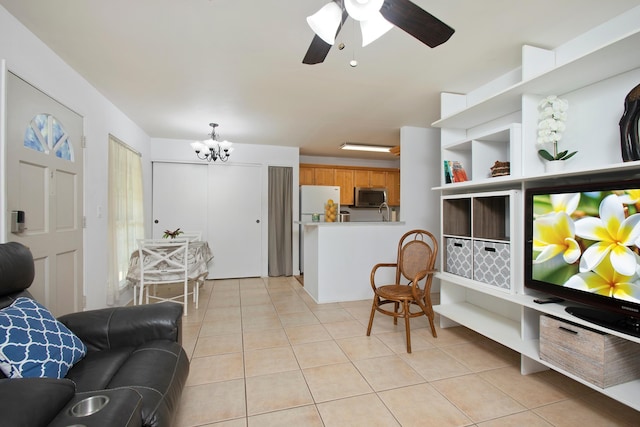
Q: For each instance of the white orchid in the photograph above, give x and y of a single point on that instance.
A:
(553, 114)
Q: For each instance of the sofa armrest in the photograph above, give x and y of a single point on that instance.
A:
(33, 402)
(126, 326)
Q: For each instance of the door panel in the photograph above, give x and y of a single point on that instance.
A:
(179, 198)
(235, 194)
(45, 169)
(222, 201)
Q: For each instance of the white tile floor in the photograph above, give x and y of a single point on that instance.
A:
(264, 354)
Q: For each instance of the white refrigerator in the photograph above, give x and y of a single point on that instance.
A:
(312, 201)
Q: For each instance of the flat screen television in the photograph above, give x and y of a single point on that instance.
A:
(582, 244)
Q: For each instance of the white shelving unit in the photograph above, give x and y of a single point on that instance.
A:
(498, 122)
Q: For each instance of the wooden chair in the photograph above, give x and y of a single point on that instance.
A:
(164, 261)
(417, 252)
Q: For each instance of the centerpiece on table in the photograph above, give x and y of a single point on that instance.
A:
(553, 114)
(168, 234)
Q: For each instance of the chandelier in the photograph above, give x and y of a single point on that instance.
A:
(212, 149)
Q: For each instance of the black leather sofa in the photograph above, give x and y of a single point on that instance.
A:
(135, 364)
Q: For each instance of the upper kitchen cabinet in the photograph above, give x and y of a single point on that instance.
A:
(349, 177)
(392, 182)
(369, 178)
(324, 176)
(344, 179)
(307, 175)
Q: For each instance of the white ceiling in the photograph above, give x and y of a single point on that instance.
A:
(174, 66)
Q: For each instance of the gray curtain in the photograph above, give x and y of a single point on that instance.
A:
(280, 221)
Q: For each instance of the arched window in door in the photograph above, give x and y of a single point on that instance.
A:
(47, 135)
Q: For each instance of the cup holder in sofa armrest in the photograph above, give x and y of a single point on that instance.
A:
(89, 406)
(102, 408)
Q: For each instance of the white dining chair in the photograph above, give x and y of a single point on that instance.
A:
(164, 261)
(192, 236)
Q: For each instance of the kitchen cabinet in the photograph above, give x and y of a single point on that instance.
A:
(307, 175)
(370, 178)
(324, 176)
(349, 177)
(344, 180)
(392, 182)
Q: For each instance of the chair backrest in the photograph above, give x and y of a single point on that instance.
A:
(163, 260)
(192, 236)
(417, 251)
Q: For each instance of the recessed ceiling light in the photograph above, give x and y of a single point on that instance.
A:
(365, 147)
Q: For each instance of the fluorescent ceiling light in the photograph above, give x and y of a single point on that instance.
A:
(365, 147)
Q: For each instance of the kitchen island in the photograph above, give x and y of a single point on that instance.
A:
(339, 256)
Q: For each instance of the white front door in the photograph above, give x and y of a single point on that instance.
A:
(221, 200)
(44, 180)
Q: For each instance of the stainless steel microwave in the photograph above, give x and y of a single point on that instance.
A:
(366, 197)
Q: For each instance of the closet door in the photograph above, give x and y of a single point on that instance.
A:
(235, 220)
(179, 197)
(221, 200)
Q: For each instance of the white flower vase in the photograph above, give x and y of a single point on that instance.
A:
(554, 166)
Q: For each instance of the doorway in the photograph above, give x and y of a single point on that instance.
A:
(45, 172)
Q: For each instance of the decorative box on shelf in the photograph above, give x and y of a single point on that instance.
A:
(599, 358)
(458, 257)
(491, 263)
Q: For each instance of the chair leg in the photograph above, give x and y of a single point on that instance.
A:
(373, 312)
(141, 292)
(185, 296)
(430, 316)
(407, 329)
(196, 293)
(395, 310)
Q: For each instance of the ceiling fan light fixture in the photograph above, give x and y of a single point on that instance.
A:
(374, 28)
(363, 10)
(326, 21)
(366, 147)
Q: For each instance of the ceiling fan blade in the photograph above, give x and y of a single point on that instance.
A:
(319, 49)
(416, 21)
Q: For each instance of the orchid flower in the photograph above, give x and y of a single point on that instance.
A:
(613, 234)
(605, 280)
(553, 235)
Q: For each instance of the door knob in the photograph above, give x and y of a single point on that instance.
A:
(156, 221)
(257, 221)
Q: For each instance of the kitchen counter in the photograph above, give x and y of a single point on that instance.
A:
(374, 223)
(338, 257)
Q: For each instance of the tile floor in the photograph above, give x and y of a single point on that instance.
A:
(264, 354)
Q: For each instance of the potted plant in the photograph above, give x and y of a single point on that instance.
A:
(553, 114)
(168, 234)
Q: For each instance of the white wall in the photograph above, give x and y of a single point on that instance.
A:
(175, 150)
(393, 162)
(29, 58)
(419, 173)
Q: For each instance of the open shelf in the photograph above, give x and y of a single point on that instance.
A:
(484, 214)
(583, 71)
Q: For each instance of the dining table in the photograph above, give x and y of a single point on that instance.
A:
(198, 256)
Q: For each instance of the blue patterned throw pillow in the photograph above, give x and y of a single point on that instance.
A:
(34, 344)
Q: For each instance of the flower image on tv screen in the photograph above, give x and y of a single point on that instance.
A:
(588, 241)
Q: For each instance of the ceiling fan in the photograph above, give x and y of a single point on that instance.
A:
(376, 18)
